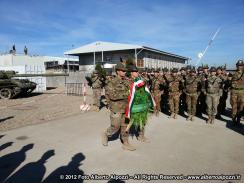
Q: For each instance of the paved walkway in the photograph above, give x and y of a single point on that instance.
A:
(177, 147)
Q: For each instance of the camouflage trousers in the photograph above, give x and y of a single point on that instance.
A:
(191, 101)
(96, 96)
(222, 103)
(118, 123)
(157, 98)
(237, 103)
(201, 104)
(212, 101)
(174, 99)
(182, 103)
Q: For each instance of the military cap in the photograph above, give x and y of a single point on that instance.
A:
(182, 69)
(174, 70)
(141, 70)
(213, 69)
(165, 69)
(157, 70)
(109, 73)
(230, 75)
(188, 67)
(239, 63)
(199, 68)
(219, 68)
(120, 67)
(132, 68)
(205, 66)
(193, 70)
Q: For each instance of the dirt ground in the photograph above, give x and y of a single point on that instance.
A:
(38, 108)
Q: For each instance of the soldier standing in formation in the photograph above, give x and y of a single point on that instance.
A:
(118, 92)
(213, 91)
(222, 101)
(97, 85)
(183, 72)
(157, 90)
(201, 106)
(237, 93)
(192, 89)
(174, 81)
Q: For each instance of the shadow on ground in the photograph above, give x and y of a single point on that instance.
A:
(34, 172)
(4, 119)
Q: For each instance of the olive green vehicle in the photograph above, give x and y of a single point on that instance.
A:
(11, 87)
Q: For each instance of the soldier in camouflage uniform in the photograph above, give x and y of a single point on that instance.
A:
(192, 90)
(183, 72)
(97, 85)
(237, 93)
(174, 81)
(213, 91)
(222, 101)
(165, 95)
(157, 90)
(201, 101)
(118, 91)
(109, 77)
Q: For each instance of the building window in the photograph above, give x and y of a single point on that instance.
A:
(140, 63)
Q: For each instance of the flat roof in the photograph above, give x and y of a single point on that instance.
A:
(100, 46)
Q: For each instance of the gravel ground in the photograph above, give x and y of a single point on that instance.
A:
(39, 108)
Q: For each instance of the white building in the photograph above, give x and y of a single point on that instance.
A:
(26, 64)
(110, 53)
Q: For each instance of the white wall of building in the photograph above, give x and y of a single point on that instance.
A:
(25, 64)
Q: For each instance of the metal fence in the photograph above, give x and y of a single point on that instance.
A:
(74, 89)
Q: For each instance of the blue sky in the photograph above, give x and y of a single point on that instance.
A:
(184, 27)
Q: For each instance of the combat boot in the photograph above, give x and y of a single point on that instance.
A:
(127, 146)
(212, 120)
(142, 138)
(172, 115)
(156, 112)
(209, 119)
(234, 120)
(188, 118)
(97, 109)
(175, 116)
(104, 139)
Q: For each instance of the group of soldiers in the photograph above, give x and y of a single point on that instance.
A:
(197, 91)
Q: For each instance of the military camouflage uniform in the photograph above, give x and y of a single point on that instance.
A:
(118, 91)
(174, 94)
(237, 96)
(182, 102)
(224, 96)
(213, 91)
(108, 79)
(157, 91)
(97, 89)
(201, 100)
(192, 90)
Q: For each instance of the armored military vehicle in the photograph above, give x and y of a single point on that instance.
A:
(11, 87)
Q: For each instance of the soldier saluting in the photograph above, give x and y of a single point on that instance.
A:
(237, 92)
